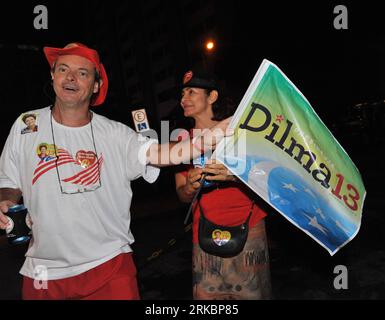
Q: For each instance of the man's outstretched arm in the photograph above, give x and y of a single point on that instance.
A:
(174, 153)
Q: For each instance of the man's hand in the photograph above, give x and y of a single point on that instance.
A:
(209, 138)
(216, 171)
(4, 206)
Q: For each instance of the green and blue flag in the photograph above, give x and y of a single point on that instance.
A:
(284, 152)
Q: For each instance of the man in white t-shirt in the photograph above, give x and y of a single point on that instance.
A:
(78, 192)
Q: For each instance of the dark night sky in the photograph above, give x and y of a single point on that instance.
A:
(333, 68)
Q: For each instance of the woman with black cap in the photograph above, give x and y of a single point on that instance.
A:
(225, 201)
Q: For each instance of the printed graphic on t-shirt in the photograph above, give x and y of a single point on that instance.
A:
(45, 151)
(85, 158)
(87, 166)
(30, 120)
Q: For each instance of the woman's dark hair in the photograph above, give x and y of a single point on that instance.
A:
(223, 107)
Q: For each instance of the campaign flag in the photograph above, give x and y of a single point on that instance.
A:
(284, 152)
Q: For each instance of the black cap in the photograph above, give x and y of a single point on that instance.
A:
(198, 78)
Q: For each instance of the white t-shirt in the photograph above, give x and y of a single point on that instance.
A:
(73, 233)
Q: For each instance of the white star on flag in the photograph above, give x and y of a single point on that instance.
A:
(290, 187)
(314, 223)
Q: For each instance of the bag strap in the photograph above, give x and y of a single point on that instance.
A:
(195, 198)
(251, 212)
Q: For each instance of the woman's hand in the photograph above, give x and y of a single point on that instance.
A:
(216, 171)
(193, 177)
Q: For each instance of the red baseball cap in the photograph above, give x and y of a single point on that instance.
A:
(78, 49)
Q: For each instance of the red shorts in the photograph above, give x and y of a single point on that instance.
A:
(112, 280)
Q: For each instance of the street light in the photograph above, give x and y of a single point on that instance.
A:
(208, 53)
(210, 45)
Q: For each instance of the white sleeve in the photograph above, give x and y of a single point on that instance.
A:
(137, 166)
(9, 171)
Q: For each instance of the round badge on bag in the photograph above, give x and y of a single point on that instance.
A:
(221, 237)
